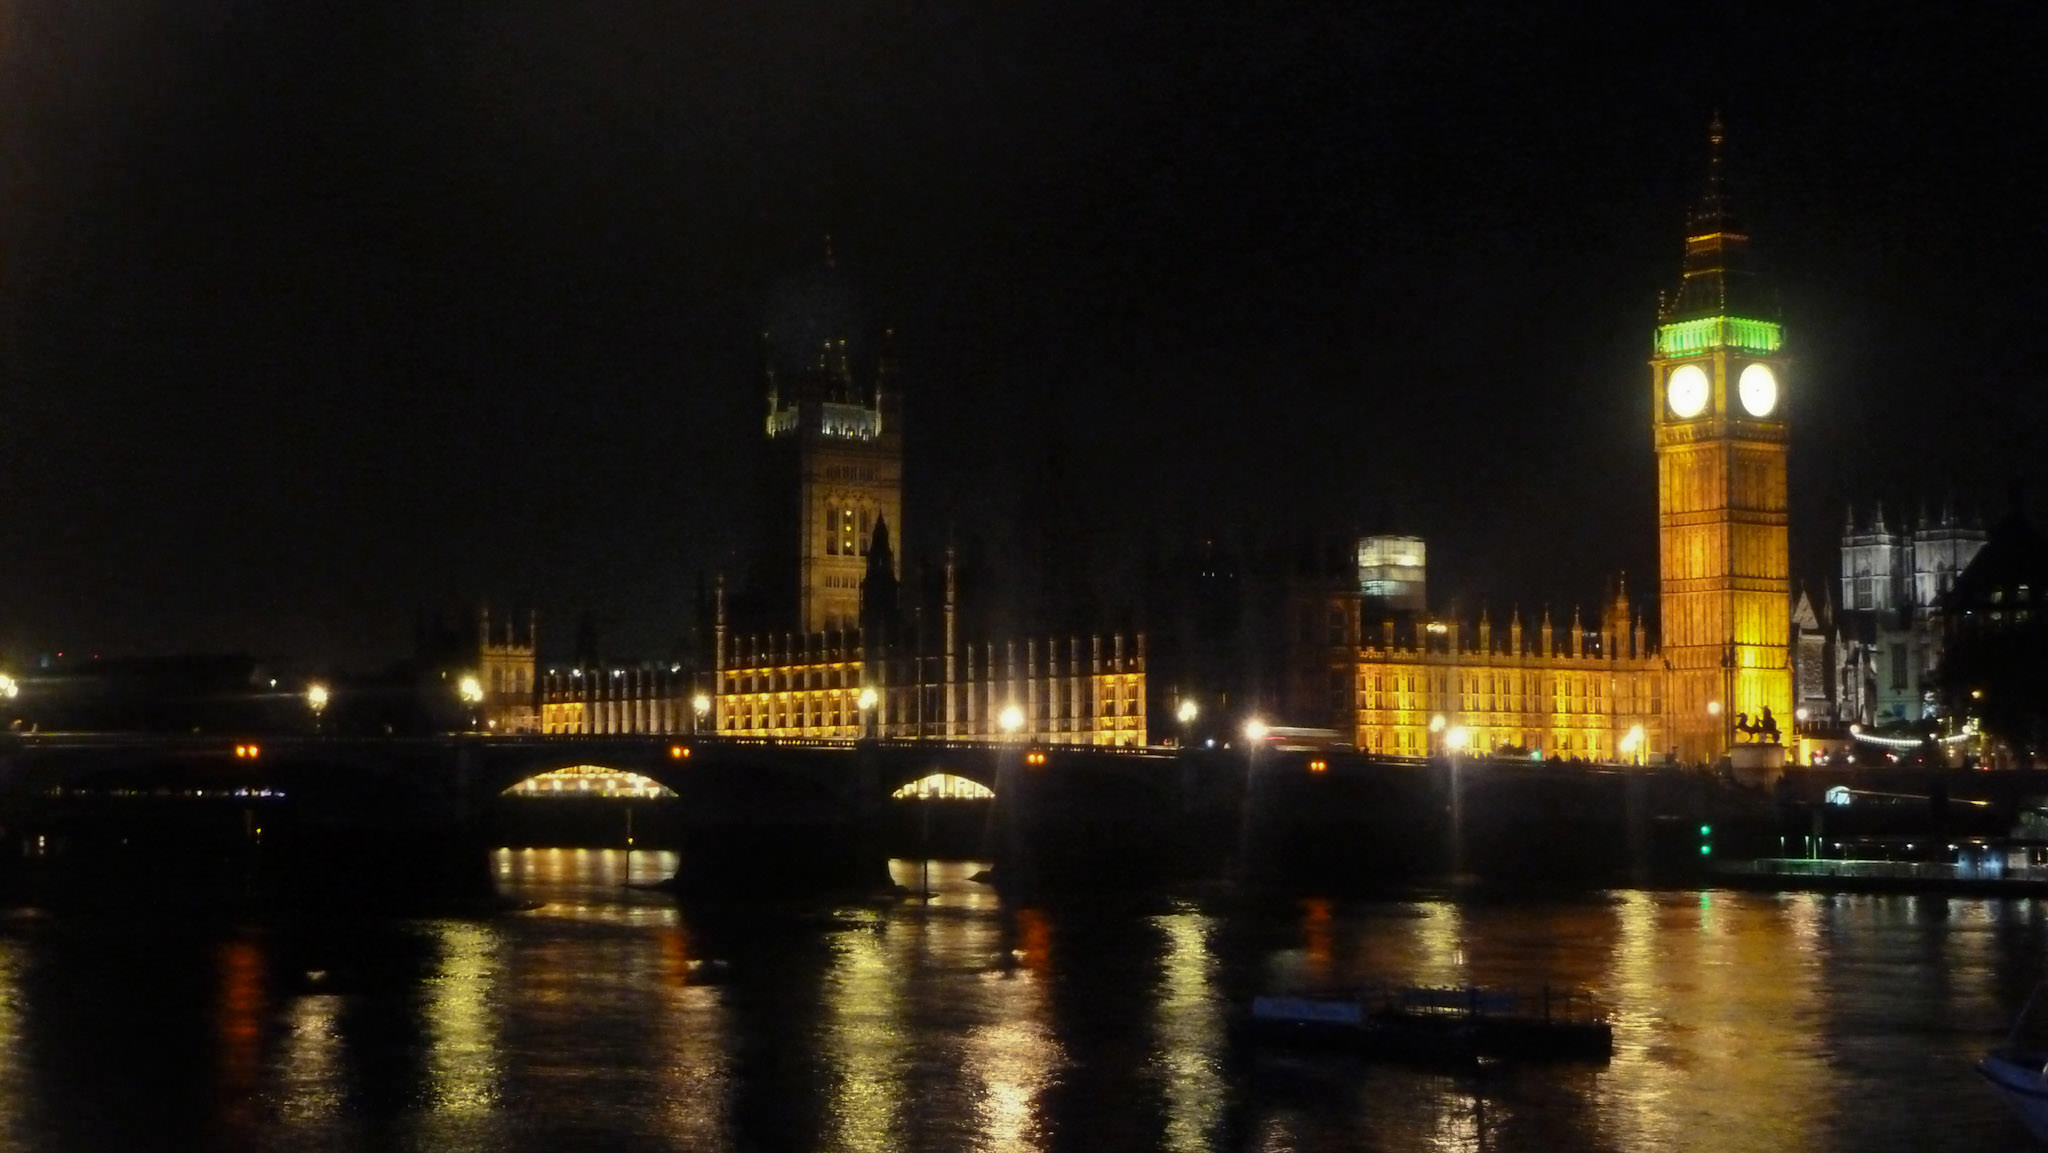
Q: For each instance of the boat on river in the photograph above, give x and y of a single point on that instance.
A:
(1440, 1025)
(2021, 1077)
(2018, 1069)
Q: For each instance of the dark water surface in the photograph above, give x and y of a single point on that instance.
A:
(612, 1018)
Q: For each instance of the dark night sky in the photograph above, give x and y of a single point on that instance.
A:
(316, 314)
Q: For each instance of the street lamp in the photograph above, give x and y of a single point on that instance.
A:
(1255, 730)
(867, 701)
(1456, 737)
(1632, 744)
(1187, 712)
(700, 707)
(316, 697)
(471, 692)
(1010, 720)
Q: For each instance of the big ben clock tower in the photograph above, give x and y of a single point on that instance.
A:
(1722, 442)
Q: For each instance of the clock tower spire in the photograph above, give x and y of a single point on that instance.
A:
(1722, 445)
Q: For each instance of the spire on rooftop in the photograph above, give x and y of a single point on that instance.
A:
(1718, 276)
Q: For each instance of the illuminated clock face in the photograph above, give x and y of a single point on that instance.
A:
(1686, 391)
(1758, 388)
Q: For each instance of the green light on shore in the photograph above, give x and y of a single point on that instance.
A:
(1686, 337)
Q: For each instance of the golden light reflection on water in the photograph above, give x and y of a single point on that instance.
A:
(1190, 1037)
(310, 1064)
(1436, 952)
(1743, 1022)
(1010, 1064)
(865, 1051)
(643, 956)
(692, 1028)
(1714, 1004)
(968, 960)
(461, 1020)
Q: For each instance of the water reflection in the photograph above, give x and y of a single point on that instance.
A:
(14, 1078)
(239, 1013)
(1189, 1037)
(863, 994)
(606, 1015)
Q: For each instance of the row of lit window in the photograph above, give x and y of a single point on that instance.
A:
(1418, 742)
(794, 679)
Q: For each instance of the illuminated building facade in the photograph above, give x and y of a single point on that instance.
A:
(1415, 684)
(505, 674)
(1400, 680)
(824, 646)
(1581, 694)
(1722, 443)
(618, 699)
(1066, 690)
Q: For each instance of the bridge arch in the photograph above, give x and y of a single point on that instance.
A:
(940, 785)
(589, 780)
(704, 777)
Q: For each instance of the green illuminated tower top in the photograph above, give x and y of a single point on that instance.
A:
(1721, 302)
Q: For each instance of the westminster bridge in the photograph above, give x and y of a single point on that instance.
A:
(363, 817)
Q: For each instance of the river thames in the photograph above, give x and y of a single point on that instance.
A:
(596, 1015)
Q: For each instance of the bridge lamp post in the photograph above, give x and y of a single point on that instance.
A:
(1255, 733)
(471, 690)
(1186, 713)
(700, 709)
(1456, 738)
(1632, 744)
(316, 702)
(867, 701)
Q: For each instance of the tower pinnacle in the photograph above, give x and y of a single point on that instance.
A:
(1718, 279)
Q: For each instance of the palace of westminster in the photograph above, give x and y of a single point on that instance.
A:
(828, 640)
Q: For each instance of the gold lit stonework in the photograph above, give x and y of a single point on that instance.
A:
(1723, 540)
(1572, 697)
